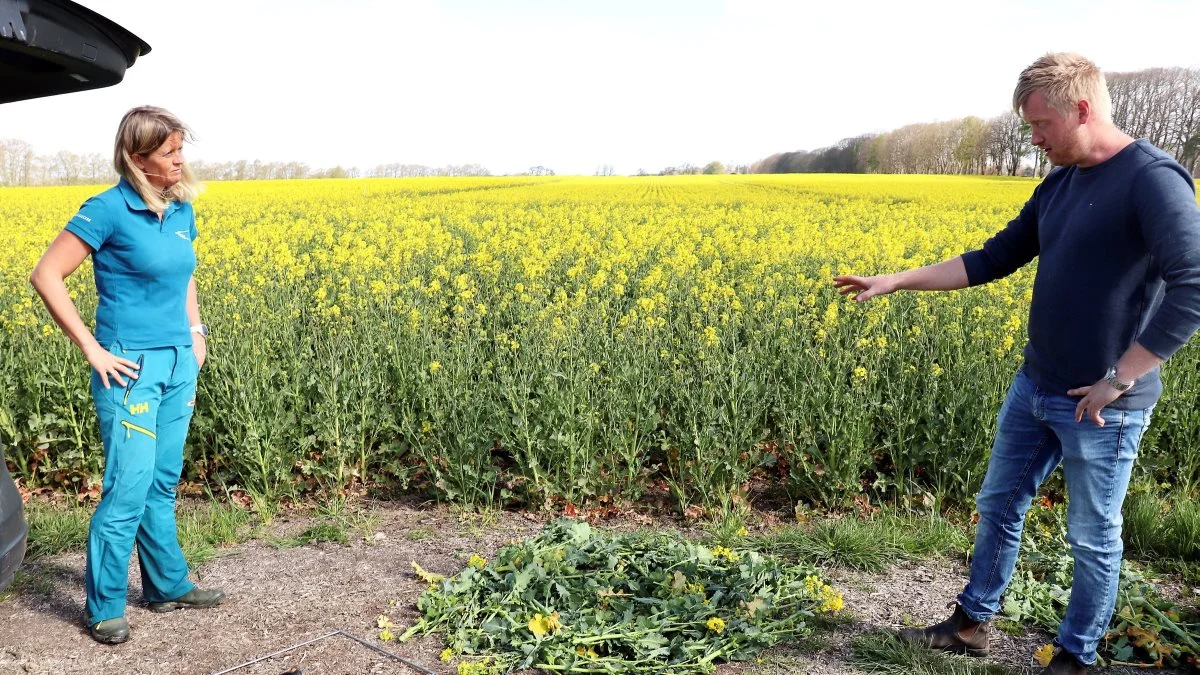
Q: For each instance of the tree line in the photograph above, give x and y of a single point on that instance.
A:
(1161, 105)
(20, 165)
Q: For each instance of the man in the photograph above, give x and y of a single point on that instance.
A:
(1116, 229)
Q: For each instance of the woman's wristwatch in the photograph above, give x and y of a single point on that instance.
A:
(201, 330)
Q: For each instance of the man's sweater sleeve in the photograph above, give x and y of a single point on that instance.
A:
(1165, 200)
(1008, 250)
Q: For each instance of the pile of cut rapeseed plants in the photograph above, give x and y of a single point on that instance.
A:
(581, 600)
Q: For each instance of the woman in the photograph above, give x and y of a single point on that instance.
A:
(145, 355)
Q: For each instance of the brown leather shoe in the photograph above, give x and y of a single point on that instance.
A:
(959, 634)
(1064, 663)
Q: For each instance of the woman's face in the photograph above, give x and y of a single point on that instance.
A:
(163, 166)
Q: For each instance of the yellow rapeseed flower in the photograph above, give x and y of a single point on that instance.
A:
(1044, 654)
(723, 552)
(588, 653)
(716, 625)
(544, 625)
(831, 600)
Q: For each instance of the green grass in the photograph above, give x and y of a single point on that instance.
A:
(419, 534)
(29, 580)
(475, 521)
(203, 528)
(1157, 527)
(728, 528)
(1187, 572)
(364, 522)
(331, 531)
(55, 529)
(1008, 626)
(925, 536)
(886, 653)
(870, 545)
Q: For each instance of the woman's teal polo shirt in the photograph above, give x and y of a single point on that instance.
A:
(142, 267)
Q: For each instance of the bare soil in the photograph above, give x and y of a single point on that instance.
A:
(278, 598)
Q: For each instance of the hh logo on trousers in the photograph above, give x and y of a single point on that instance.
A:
(138, 408)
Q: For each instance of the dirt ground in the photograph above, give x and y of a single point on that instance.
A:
(281, 597)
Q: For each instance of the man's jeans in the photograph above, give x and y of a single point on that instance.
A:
(1036, 431)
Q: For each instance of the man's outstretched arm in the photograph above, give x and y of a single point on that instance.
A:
(948, 275)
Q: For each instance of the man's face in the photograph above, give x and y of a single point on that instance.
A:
(1059, 136)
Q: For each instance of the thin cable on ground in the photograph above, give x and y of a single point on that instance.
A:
(406, 662)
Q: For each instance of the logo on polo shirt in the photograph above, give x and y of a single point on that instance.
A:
(183, 234)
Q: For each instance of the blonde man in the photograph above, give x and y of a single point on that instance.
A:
(1116, 230)
(145, 356)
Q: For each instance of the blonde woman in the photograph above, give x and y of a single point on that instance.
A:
(147, 350)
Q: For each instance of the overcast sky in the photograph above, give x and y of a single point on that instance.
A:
(571, 85)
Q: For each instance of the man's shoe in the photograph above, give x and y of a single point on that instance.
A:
(959, 634)
(1064, 663)
(195, 599)
(110, 631)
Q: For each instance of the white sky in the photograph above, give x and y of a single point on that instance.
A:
(573, 84)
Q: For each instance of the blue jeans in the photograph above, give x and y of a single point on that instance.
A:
(1037, 431)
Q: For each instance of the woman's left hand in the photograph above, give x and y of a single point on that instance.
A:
(200, 349)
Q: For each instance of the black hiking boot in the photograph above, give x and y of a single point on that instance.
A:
(195, 599)
(110, 631)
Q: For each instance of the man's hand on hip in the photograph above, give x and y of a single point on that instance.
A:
(1095, 398)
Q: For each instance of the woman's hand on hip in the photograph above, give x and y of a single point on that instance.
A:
(110, 365)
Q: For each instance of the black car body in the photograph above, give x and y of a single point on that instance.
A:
(50, 47)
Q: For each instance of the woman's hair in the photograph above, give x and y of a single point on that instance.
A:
(1065, 79)
(142, 131)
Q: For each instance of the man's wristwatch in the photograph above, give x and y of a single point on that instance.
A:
(1115, 382)
(201, 330)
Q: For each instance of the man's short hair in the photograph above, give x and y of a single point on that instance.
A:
(1065, 79)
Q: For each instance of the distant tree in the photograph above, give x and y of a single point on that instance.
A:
(971, 149)
(540, 171)
(16, 162)
(68, 166)
(1161, 105)
(1009, 143)
(713, 168)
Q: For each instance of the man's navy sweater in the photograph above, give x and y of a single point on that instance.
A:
(1119, 261)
